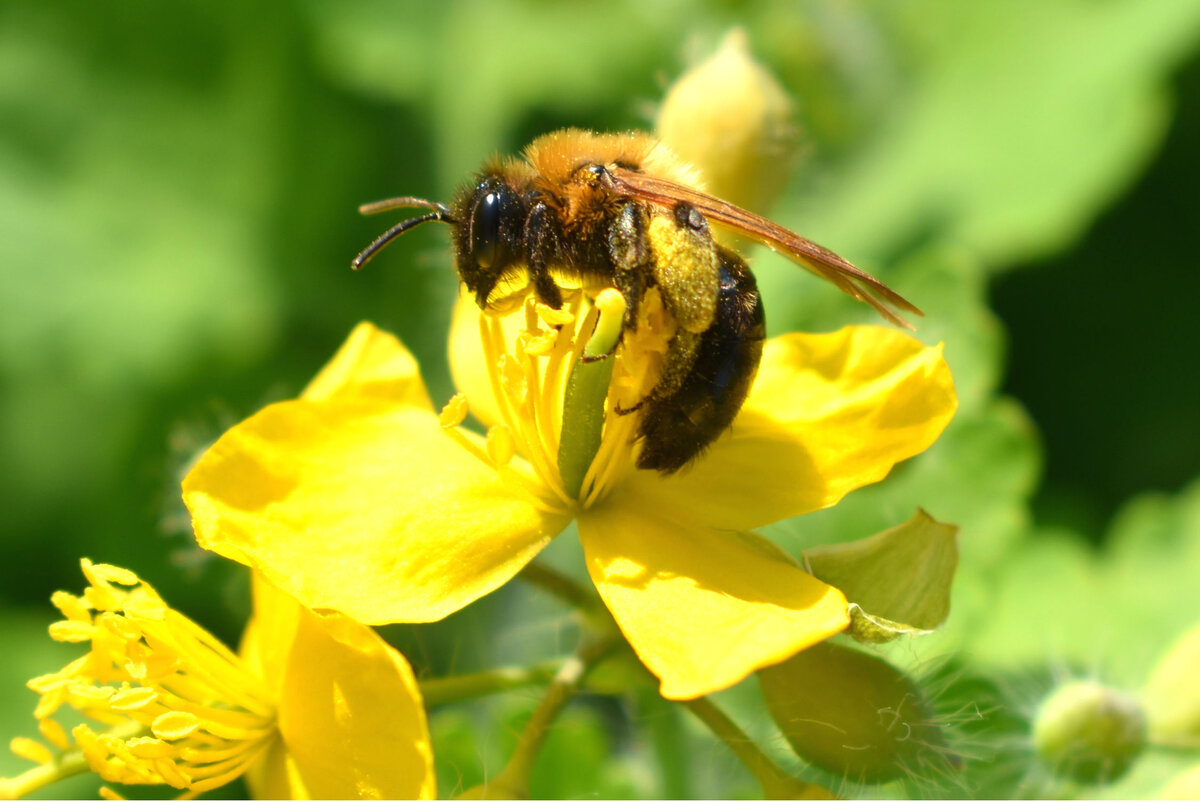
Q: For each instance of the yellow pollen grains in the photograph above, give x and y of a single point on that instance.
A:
(168, 703)
(529, 354)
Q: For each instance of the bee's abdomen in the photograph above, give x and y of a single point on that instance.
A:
(676, 429)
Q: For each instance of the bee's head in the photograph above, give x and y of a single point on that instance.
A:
(489, 234)
(488, 218)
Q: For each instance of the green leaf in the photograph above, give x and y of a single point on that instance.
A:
(1119, 607)
(898, 581)
(1010, 124)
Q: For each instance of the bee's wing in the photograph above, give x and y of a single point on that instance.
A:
(822, 261)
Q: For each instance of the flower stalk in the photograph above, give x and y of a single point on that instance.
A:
(447, 690)
(562, 586)
(775, 782)
(513, 781)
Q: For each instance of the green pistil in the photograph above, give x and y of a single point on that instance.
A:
(587, 389)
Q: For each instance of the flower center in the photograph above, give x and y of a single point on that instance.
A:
(572, 428)
(177, 706)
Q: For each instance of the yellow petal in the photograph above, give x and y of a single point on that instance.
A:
(365, 507)
(350, 714)
(274, 776)
(370, 364)
(827, 413)
(702, 608)
(270, 631)
(467, 367)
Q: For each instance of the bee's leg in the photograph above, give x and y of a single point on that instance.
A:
(687, 272)
(543, 243)
(681, 355)
(629, 253)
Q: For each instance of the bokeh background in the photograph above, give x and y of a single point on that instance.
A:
(178, 185)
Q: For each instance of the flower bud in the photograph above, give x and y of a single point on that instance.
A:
(730, 117)
(1088, 732)
(854, 715)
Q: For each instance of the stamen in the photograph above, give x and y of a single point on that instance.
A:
(454, 412)
(542, 344)
(500, 445)
(498, 361)
(612, 458)
(574, 443)
(549, 400)
(555, 318)
(163, 687)
(53, 732)
(566, 352)
(30, 749)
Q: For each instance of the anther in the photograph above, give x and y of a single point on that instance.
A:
(455, 412)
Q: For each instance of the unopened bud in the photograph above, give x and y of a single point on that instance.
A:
(731, 118)
(854, 715)
(1089, 732)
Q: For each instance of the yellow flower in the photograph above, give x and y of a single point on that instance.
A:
(315, 706)
(359, 497)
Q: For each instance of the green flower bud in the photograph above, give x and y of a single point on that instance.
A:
(854, 715)
(1088, 732)
(731, 118)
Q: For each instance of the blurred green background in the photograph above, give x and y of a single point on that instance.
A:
(178, 184)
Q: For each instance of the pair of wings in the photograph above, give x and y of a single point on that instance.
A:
(825, 263)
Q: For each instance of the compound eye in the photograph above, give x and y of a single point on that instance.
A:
(485, 229)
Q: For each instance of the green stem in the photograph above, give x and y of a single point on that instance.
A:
(560, 585)
(775, 782)
(513, 780)
(445, 690)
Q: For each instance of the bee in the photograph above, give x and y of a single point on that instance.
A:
(622, 210)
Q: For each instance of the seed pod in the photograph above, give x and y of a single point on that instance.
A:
(854, 715)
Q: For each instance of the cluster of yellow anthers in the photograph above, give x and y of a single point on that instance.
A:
(177, 707)
(528, 380)
(313, 706)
